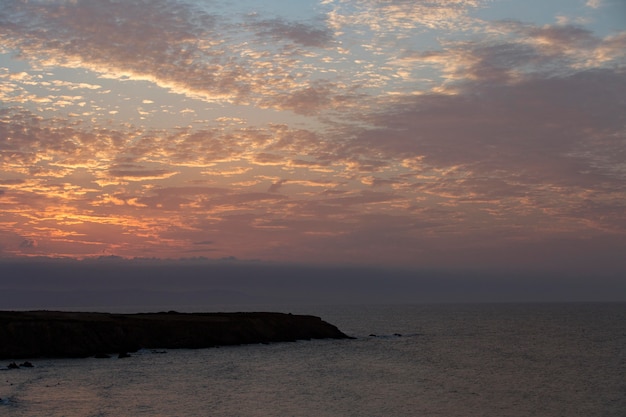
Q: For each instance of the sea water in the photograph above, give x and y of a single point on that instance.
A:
(422, 360)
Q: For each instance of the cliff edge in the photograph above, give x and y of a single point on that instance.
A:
(32, 334)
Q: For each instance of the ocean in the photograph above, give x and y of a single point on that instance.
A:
(406, 360)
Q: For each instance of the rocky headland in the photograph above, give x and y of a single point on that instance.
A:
(34, 334)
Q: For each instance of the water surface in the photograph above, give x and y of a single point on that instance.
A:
(425, 360)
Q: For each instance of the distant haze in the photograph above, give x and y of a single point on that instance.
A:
(201, 285)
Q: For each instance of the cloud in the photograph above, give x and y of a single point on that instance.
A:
(37, 146)
(538, 149)
(308, 101)
(186, 50)
(344, 138)
(168, 42)
(275, 187)
(264, 158)
(574, 46)
(299, 33)
(522, 51)
(28, 244)
(393, 16)
(172, 44)
(141, 174)
(177, 198)
(545, 118)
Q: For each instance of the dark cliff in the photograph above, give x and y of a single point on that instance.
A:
(32, 334)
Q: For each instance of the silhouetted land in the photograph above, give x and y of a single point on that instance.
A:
(32, 334)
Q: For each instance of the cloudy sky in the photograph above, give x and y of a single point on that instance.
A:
(440, 133)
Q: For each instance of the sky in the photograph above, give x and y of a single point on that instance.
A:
(373, 133)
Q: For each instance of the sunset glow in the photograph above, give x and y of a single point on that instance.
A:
(405, 133)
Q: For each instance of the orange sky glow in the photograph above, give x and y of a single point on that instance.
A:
(402, 133)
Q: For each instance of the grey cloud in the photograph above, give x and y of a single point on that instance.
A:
(530, 51)
(11, 182)
(381, 182)
(28, 244)
(275, 187)
(564, 49)
(501, 63)
(308, 101)
(268, 158)
(298, 141)
(201, 146)
(171, 198)
(477, 188)
(565, 35)
(309, 164)
(141, 173)
(298, 33)
(532, 128)
(554, 35)
(245, 198)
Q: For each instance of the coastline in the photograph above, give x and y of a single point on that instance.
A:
(59, 334)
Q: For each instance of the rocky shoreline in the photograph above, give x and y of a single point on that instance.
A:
(55, 334)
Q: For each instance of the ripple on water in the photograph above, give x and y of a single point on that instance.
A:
(450, 361)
